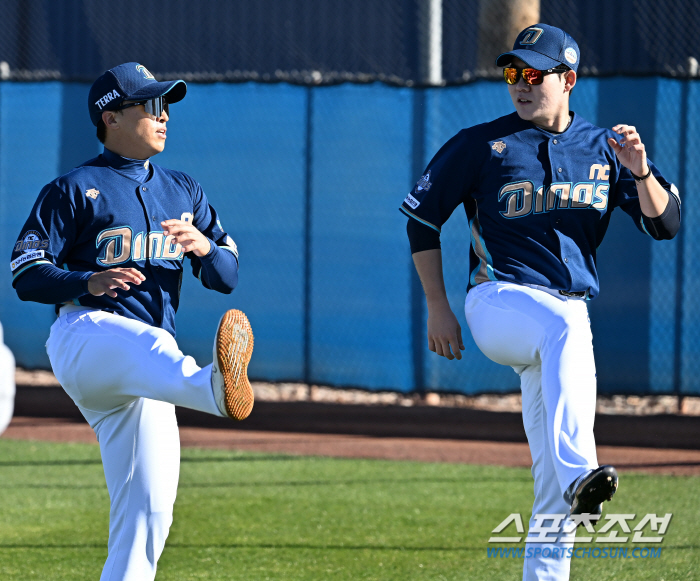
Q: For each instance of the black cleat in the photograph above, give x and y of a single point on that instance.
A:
(599, 486)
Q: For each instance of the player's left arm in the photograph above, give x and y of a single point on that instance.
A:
(187, 236)
(660, 210)
(631, 152)
(216, 268)
(212, 252)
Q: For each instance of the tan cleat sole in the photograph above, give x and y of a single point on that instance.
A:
(234, 347)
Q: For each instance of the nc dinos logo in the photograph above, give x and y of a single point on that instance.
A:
(145, 72)
(31, 241)
(532, 35)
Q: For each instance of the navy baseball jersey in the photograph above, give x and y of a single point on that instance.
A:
(95, 218)
(538, 203)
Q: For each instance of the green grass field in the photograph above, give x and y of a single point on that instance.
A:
(256, 517)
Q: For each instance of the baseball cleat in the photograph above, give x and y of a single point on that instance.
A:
(233, 348)
(599, 486)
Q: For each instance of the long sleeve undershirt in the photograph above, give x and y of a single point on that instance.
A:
(48, 284)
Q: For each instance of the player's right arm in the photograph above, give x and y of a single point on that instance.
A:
(446, 183)
(44, 242)
(444, 332)
(107, 281)
(50, 285)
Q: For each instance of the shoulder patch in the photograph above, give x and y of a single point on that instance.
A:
(499, 146)
(424, 183)
(31, 240)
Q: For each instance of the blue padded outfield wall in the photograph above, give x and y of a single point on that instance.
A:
(308, 181)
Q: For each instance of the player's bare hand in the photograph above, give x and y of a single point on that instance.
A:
(187, 236)
(630, 150)
(444, 332)
(105, 282)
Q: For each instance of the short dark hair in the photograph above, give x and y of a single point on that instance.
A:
(101, 131)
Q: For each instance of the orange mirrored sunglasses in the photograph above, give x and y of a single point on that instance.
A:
(530, 76)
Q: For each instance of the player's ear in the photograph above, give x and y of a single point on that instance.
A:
(109, 118)
(569, 81)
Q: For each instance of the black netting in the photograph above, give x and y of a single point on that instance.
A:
(330, 41)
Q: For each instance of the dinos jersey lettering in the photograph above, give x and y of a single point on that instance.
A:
(536, 212)
(92, 219)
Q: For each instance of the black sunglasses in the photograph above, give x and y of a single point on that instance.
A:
(153, 107)
(530, 76)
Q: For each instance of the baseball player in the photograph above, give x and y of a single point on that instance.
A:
(105, 243)
(538, 187)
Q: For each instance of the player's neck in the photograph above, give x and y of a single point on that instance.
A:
(128, 149)
(557, 125)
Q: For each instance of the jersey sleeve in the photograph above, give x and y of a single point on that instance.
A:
(218, 269)
(48, 233)
(627, 198)
(445, 184)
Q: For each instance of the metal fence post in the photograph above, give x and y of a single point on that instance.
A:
(680, 252)
(418, 338)
(308, 191)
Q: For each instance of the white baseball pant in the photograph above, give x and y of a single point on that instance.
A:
(546, 338)
(7, 384)
(126, 378)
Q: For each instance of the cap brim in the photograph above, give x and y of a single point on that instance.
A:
(529, 57)
(175, 90)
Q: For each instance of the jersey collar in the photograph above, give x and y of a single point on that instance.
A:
(136, 169)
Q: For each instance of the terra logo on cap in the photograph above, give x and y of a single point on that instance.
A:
(129, 82)
(110, 96)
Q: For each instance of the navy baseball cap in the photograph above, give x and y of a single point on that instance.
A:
(543, 47)
(129, 82)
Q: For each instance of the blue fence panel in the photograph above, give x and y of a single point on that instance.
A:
(30, 149)
(360, 285)
(664, 256)
(691, 274)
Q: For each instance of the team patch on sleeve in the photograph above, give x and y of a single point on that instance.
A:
(231, 245)
(674, 190)
(422, 187)
(411, 201)
(25, 258)
(424, 183)
(31, 240)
